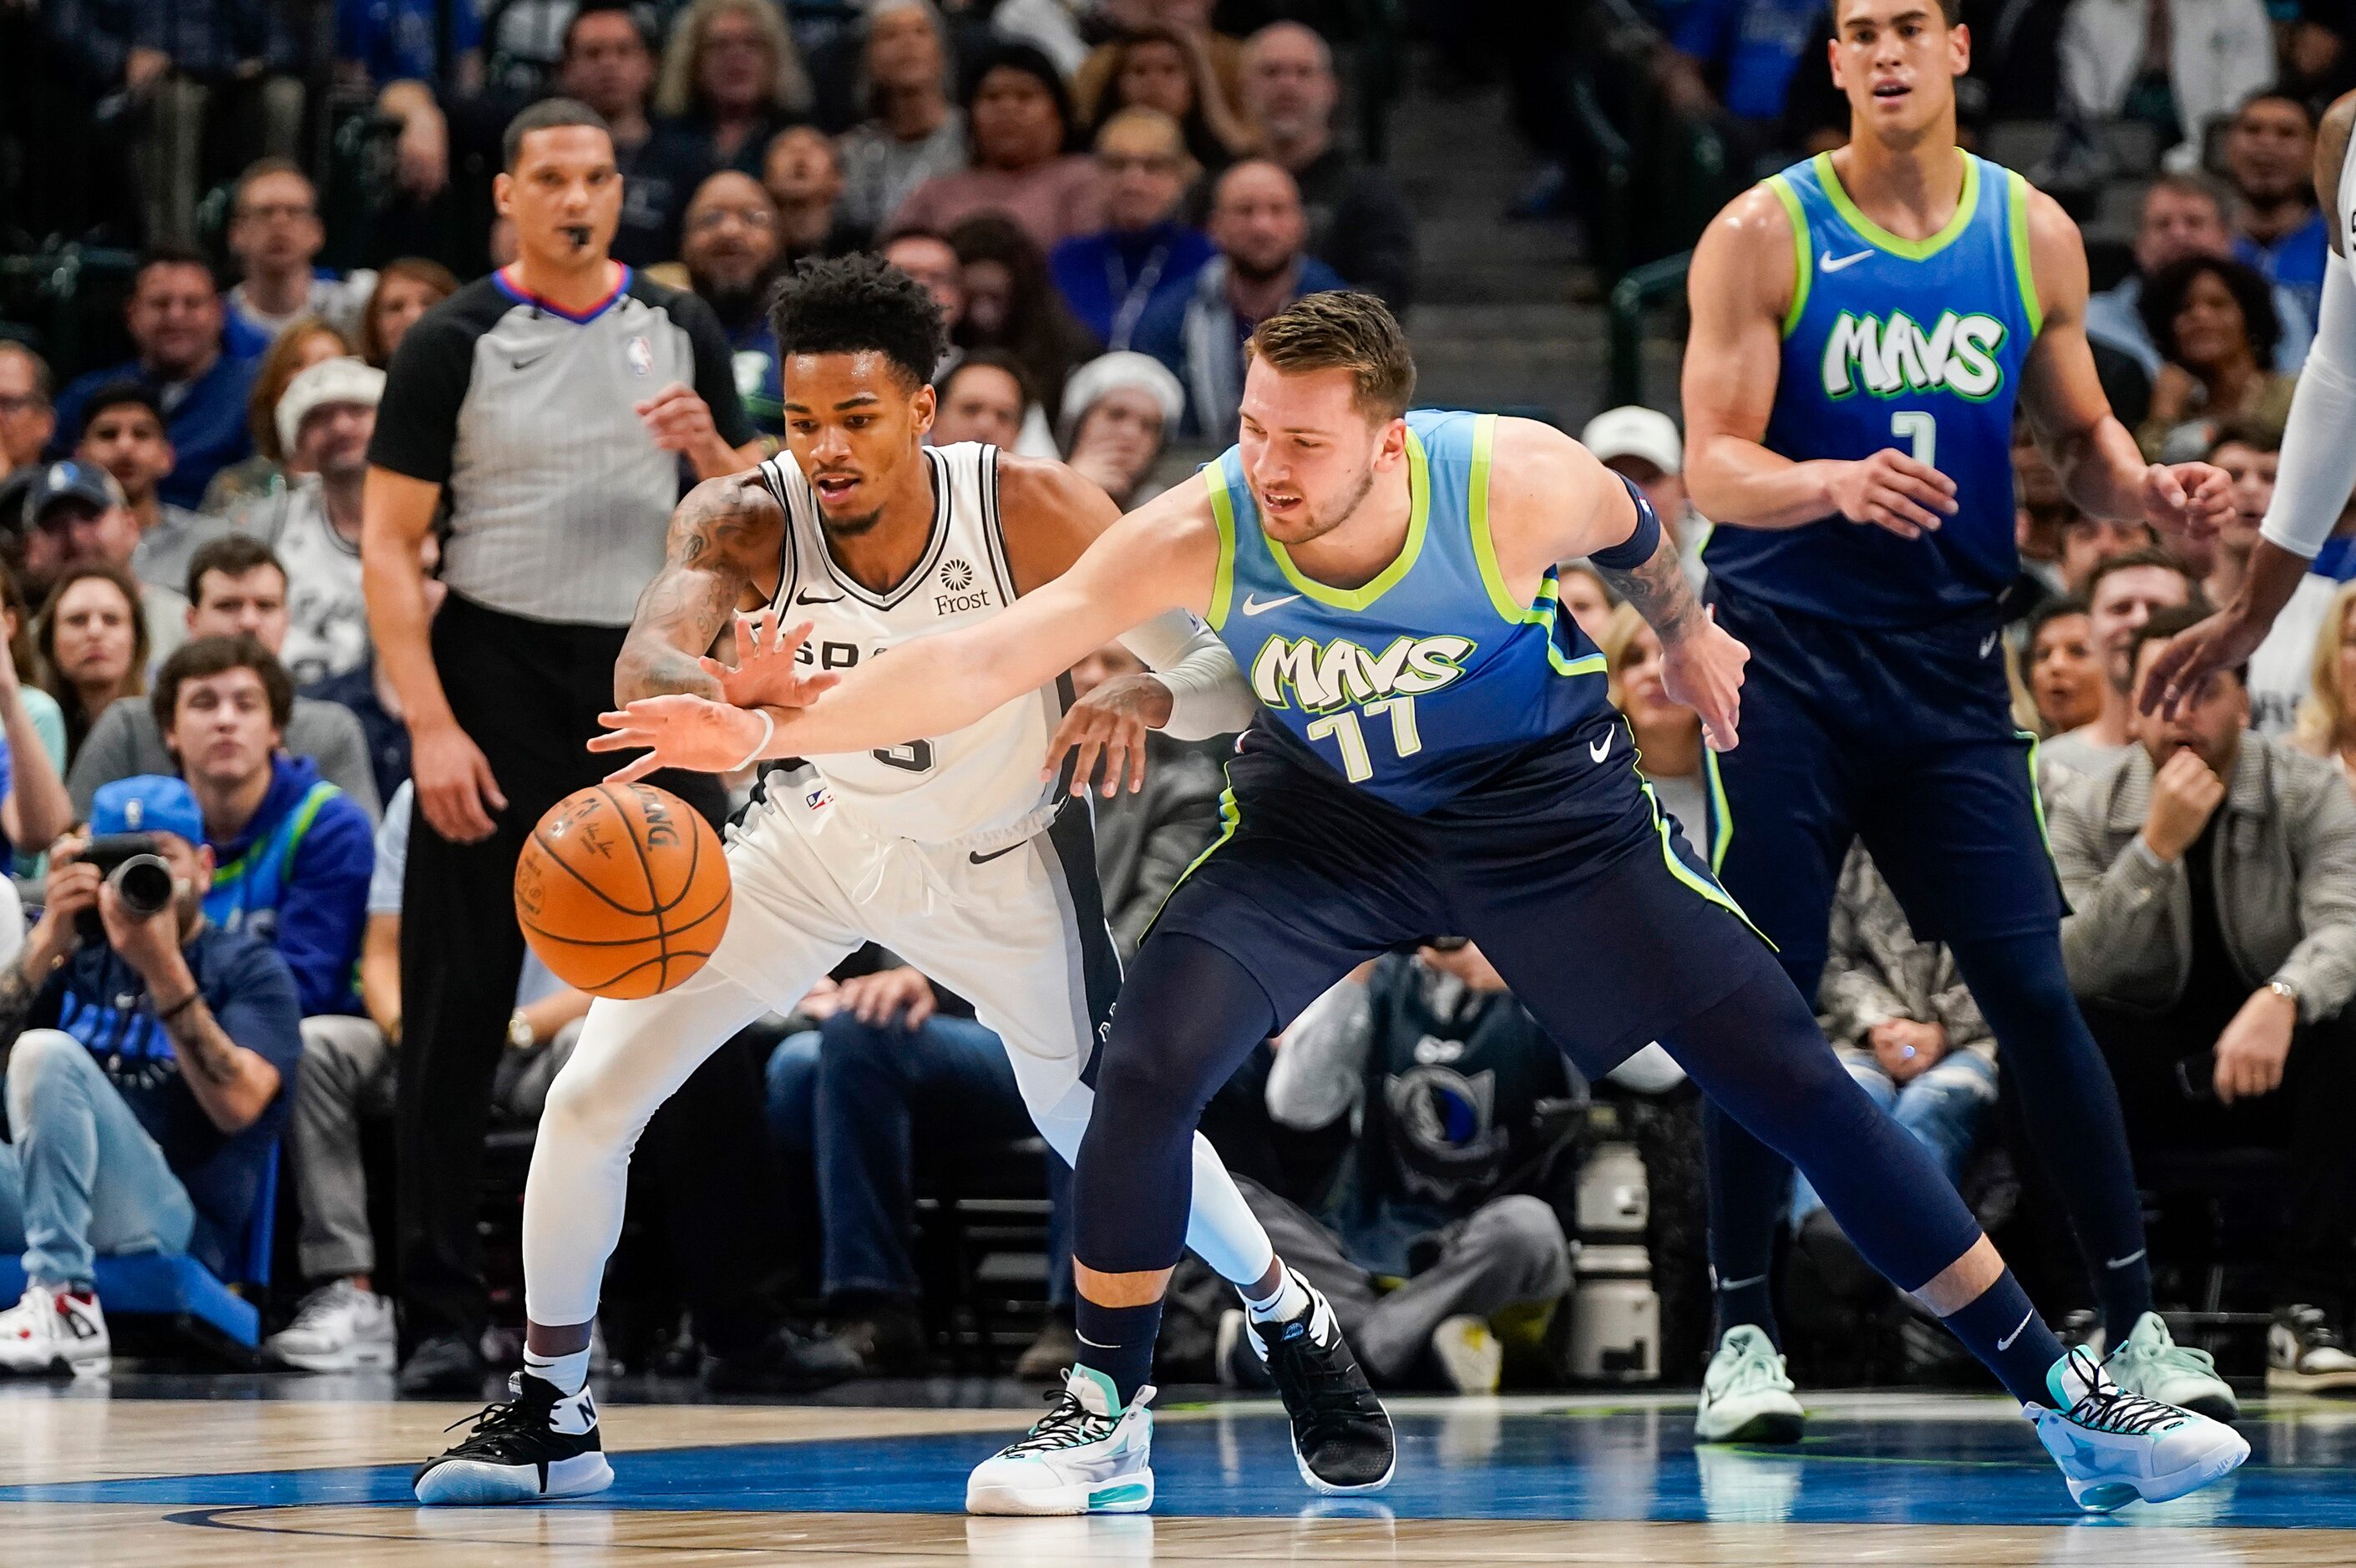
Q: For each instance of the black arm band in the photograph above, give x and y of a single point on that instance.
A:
(1637, 548)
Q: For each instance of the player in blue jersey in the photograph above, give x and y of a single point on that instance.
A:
(1434, 754)
(1864, 326)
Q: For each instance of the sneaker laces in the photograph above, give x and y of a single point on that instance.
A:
(1068, 1426)
(1333, 1399)
(502, 1420)
(2107, 1407)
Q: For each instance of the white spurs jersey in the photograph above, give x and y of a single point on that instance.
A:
(980, 782)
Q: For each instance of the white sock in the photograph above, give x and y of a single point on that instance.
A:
(1291, 1300)
(569, 1373)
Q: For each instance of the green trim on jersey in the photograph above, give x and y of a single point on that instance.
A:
(1419, 506)
(306, 811)
(1805, 266)
(1223, 514)
(1230, 817)
(1724, 835)
(2036, 794)
(1874, 234)
(1493, 575)
(1687, 875)
(2020, 257)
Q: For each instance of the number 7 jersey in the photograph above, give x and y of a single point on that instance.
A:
(1912, 344)
(978, 783)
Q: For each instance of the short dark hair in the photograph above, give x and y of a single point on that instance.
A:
(2164, 292)
(1032, 62)
(259, 168)
(2046, 614)
(994, 359)
(113, 395)
(548, 114)
(1951, 11)
(165, 255)
(2276, 93)
(232, 555)
(2259, 435)
(204, 657)
(2150, 555)
(622, 9)
(1342, 330)
(859, 304)
(2169, 622)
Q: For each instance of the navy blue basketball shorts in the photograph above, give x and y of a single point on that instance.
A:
(1902, 739)
(1563, 869)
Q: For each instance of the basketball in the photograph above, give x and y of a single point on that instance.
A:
(623, 891)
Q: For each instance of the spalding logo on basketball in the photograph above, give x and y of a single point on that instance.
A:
(623, 891)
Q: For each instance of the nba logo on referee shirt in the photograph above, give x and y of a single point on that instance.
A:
(641, 356)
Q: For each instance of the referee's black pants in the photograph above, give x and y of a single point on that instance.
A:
(528, 693)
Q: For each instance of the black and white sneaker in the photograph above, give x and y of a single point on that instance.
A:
(1342, 1437)
(538, 1445)
(2305, 1355)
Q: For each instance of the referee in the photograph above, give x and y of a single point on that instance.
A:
(552, 404)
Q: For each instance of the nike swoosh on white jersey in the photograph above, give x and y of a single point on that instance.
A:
(1825, 260)
(1598, 750)
(1261, 606)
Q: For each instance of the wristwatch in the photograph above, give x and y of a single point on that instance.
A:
(519, 1035)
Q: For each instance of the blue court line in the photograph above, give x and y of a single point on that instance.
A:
(1515, 1465)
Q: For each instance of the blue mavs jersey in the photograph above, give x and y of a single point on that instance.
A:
(1915, 343)
(1415, 686)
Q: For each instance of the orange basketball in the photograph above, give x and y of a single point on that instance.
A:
(623, 891)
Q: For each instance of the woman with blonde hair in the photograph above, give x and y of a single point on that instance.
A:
(2327, 718)
(300, 346)
(730, 80)
(1668, 735)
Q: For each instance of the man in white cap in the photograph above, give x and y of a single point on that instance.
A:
(325, 419)
(1642, 445)
(1118, 411)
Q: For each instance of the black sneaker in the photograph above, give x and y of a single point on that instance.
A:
(1342, 1437)
(539, 1445)
(443, 1365)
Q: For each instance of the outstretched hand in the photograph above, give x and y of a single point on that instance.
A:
(680, 732)
(1110, 723)
(768, 672)
(1703, 669)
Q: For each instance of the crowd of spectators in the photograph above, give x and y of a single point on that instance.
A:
(1104, 198)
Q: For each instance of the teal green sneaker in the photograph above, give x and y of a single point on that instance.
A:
(1086, 1456)
(1746, 1395)
(2151, 1364)
(2114, 1447)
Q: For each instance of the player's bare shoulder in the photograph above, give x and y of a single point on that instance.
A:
(1746, 255)
(2331, 135)
(732, 520)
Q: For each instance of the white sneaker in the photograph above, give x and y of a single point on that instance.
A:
(1086, 1456)
(340, 1328)
(2150, 1363)
(1469, 1353)
(2114, 1447)
(1746, 1395)
(2304, 1354)
(52, 1331)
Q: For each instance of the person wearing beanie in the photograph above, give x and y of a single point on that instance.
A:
(1118, 412)
(325, 421)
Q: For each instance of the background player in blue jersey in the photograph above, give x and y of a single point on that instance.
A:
(1434, 754)
(1863, 326)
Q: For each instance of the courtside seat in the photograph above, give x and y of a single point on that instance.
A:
(175, 1288)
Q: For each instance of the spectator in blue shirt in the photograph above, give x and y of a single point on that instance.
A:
(176, 318)
(1750, 49)
(293, 853)
(1263, 265)
(145, 1073)
(435, 41)
(1144, 254)
(2278, 229)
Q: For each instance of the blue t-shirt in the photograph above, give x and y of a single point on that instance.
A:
(2295, 261)
(1110, 280)
(206, 419)
(1758, 43)
(102, 1001)
(399, 40)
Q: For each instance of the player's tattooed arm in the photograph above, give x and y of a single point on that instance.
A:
(717, 533)
(1659, 591)
(18, 993)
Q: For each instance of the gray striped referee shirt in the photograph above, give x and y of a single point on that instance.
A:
(527, 416)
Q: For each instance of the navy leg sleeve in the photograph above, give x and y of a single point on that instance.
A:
(2071, 1108)
(1749, 1185)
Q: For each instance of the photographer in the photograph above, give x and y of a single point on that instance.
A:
(143, 1055)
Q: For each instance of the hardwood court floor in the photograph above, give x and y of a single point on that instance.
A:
(136, 1472)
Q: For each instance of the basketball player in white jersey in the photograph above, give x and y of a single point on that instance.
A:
(2318, 460)
(958, 852)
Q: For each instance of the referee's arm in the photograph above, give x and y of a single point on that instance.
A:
(409, 460)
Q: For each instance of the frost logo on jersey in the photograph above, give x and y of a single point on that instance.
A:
(1957, 354)
(1341, 674)
(957, 576)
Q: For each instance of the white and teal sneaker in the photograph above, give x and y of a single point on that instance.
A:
(1746, 1395)
(2153, 1365)
(2114, 1447)
(1086, 1456)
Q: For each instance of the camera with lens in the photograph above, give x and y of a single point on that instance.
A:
(140, 877)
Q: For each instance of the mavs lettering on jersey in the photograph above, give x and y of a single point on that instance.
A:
(1912, 344)
(1413, 685)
